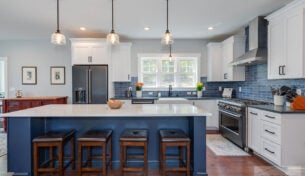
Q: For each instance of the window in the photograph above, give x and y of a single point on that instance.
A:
(3, 77)
(160, 72)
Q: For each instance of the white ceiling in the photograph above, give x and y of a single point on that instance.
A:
(35, 19)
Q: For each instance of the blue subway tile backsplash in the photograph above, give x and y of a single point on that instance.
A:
(256, 86)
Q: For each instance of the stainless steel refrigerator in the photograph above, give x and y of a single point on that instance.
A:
(90, 84)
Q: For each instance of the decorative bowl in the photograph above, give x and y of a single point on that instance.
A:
(115, 104)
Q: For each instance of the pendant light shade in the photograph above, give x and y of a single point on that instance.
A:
(167, 38)
(113, 38)
(58, 38)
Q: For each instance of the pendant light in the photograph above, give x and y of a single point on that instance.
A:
(58, 38)
(112, 37)
(167, 37)
(170, 53)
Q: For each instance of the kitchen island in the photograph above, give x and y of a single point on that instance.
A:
(24, 125)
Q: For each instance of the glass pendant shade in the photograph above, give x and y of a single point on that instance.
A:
(167, 38)
(113, 38)
(58, 38)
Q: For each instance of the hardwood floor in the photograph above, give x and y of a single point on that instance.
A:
(216, 166)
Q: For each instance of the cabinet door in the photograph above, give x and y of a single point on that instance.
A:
(81, 54)
(214, 62)
(276, 55)
(254, 129)
(99, 53)
(121, 62)
(293, 67)
(210, 106)
(227, 58)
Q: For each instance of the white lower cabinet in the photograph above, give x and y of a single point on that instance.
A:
(277, 137)
(212, 122)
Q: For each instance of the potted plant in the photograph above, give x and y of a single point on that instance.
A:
(199, 88)
(139, 86)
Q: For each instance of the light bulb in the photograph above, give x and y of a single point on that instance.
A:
(58, 39)
(170, 58)
(113, 38)
(167, 38)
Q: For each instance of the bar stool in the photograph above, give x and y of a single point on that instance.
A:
(53, 139)
(174, 138)
(90, 139)
(133, 138)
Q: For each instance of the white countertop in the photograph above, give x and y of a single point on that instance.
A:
(102, 110)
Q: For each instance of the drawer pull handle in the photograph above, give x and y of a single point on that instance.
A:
(270, 117)
(269, 151)
(271, 132)
(253, 113)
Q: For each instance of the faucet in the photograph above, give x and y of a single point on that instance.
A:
(170, 90)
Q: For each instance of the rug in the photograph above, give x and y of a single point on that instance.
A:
(3, 146)
(223, 147)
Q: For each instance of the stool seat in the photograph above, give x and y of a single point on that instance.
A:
(173, 135)
(55, 136)
(134, 135)
(96, 135)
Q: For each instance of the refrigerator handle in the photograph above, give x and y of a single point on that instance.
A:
(87, 86)
(90, 86)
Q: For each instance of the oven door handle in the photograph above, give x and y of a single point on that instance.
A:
(231, 114)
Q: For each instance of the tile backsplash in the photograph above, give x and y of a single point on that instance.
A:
(256, 86)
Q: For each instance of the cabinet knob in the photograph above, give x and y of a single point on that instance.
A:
(89, 58)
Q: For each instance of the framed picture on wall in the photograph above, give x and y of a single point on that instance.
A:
(29, 75)
(57, 75)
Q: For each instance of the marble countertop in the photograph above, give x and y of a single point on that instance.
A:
(102, 110)
(278, 109)
(156, 98)
(37, 98)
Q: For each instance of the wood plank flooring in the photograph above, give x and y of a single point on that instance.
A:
(216, 166)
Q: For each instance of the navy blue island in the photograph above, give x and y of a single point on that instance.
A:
(24, 125)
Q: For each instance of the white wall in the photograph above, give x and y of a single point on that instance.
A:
(179, 46)
(39, 53)
(43, 54)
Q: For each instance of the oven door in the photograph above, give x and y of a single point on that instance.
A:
(231, 127)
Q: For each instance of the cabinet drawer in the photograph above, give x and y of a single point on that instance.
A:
(271, 131)
(271, 117)
(271, 151)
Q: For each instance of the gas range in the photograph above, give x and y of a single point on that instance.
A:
(242, 102)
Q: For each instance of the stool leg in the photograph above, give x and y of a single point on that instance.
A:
(110, 152)
(36, 159)
(145, 160)
(104, 156)
(181, 156)
(160, 157)
(51, 156)
(121, 158)
(60, 159)
(79, 159)
(163, 159)
(188, 160)
(72, 152)
(89, 154)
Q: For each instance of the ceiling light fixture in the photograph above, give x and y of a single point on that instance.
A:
(58, 38)
(112, 37)
(82, 28)
(211, 28)
(167, 37)
(146, 28)
(170, 53)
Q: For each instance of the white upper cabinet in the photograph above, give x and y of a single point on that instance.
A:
(90, 51)
(214, 62)
(286, 58)
(121, 58)
(220, 55)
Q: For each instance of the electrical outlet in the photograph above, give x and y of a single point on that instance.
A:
(219, 88)
(239, 89)
(299, 91)
(189, 93)
(150, 93)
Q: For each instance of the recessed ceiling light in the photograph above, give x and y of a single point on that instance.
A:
(147, 28)
(211, 28)
(82, 28)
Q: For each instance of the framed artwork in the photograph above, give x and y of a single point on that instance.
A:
(29, 75)
(57, 75)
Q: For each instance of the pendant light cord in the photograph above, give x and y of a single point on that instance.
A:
(57, 15)
(112, 16)
(170, 50)
(167, 16)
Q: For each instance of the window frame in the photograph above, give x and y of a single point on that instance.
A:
(197, 57)
(5, 60)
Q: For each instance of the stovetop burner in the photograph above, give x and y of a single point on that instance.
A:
(243, 102)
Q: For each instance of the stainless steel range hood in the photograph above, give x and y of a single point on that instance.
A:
(257, 44)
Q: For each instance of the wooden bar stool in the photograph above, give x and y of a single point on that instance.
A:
(90, 139)
(174, 138)
(53, 140)
(133, 138)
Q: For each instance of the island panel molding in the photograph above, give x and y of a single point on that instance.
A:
(57, 75)
(29, 75)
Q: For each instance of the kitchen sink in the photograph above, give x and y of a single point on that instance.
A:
(172, 100)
